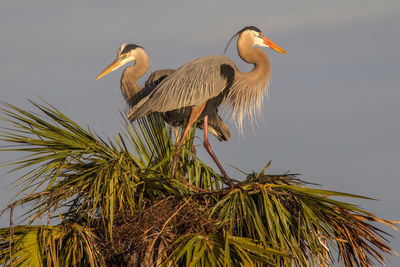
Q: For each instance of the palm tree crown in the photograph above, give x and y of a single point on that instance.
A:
(113, 202)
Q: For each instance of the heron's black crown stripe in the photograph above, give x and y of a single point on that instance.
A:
(130, 47)
(251, 28)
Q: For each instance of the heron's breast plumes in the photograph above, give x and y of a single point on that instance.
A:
(246, 97)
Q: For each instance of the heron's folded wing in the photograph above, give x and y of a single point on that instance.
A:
(192, 84)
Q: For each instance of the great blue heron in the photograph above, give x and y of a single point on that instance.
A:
(205, 83)
(133, 93)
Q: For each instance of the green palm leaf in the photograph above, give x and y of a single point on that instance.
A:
(114, 202)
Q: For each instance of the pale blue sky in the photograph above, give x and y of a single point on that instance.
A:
(334, 109)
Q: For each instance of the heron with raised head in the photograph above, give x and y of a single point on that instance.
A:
(203, 84)
(133, 92)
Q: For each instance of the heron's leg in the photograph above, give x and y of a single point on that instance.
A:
(194, 115)
(193, 150)
(176, 135)
(210, 151)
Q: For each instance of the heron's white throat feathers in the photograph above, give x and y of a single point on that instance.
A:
(258, 39)
(127, 57)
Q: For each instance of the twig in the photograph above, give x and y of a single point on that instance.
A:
(166, 223)
(11, 233)
(33, 130)
(22, 200)
(159, 202)
(192, 186)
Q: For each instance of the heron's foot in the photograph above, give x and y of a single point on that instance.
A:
(231, 184)
(227, 180)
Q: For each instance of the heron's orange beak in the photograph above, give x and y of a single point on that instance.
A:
(273, 45)
(113, 66)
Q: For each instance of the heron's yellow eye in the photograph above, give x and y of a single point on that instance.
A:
(124, 55)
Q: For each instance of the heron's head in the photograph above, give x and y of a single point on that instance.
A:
(257, 37)
(126, 53)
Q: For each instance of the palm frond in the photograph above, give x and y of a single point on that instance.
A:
(49, 246)
(220, 250)
(114, 201)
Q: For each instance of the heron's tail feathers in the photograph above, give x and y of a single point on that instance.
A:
(222, 134)
(217, 127)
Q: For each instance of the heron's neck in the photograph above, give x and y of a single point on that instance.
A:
(132, 74)
(257, 57)
(248, 89)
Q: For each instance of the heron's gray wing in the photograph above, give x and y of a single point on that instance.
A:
(157, 76)
(154, 79)
(192, 84)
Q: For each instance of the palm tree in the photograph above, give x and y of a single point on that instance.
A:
(113, 202)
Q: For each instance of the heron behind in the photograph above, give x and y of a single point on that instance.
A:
(133, 93)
